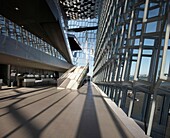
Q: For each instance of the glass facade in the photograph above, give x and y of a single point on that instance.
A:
(132, 60)
(87, 40)
(14, 31)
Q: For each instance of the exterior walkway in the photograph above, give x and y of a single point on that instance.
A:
(59, 113)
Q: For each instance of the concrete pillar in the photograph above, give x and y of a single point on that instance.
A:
(9, 76)
(165, 110)
(144, 106)
(111, 92)
(124, 96)
(167, 134)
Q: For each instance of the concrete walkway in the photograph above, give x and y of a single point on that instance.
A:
(58, 113)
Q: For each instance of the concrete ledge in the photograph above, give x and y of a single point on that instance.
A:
(129, 123)
(19, 54)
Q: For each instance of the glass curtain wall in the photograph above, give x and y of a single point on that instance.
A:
(132, 60)
(87, 40)
(14, 31)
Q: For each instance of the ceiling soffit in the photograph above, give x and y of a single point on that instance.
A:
(79, 9)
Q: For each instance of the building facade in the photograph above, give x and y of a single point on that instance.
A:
(36, 41)
(132, 60)
(87, 39)
(34, 46)
(82, 22)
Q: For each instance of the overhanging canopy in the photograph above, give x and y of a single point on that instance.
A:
(74, 44)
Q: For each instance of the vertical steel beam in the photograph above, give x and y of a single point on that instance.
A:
(141, 40)
(131, 104)
(167, 35)
(9, 75)
(153, 104)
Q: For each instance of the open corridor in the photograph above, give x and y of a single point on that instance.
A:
(60, 113)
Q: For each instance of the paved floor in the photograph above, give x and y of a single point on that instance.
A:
(58, 113)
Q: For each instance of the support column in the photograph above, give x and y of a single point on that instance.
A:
(114, 94)
(120, 98)
(144, 106)
(165, 111)
(131, 104)
(111, 92)
(124, 96)
(9, 75)
(152, 114)
(153, 106)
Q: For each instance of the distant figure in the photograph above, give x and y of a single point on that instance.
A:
(88, 78)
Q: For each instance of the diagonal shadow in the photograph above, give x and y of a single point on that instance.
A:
(32, 129)
(120, 127)
(45, 97)
(20, 93)
(13, 96)
(19, 100)
(57, 115)
(89, 126)
(38, 93)
(26, 123)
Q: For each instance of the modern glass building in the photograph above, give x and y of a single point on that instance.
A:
(85, 31)
(82, 22)
(125, 42)
(132, 60)
(34, 46)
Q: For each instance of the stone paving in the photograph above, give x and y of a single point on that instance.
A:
(58, 113)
